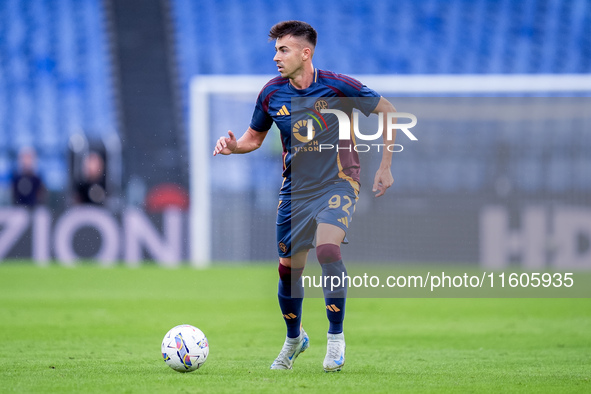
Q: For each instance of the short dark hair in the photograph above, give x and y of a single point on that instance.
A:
(294, 28)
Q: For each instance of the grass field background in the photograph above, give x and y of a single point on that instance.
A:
(90, 329)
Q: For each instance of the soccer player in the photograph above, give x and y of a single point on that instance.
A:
(319, 201)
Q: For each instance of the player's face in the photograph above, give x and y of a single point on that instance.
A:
(289, 56)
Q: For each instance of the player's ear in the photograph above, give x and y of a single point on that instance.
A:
(306, 53)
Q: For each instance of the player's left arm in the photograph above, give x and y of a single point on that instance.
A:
(383, 178)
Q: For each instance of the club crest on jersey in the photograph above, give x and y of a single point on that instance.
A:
(283, 247)
(320, 104)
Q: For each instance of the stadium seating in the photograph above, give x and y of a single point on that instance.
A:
(54, 80)
(405, 36)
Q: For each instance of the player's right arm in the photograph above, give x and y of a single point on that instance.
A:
(255, 134)
(251, 140)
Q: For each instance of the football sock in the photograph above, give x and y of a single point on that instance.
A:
(329, 257)
(291, 296)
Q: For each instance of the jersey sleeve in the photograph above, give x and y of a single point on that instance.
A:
(261, 120)
(364, 98)
(368, 100)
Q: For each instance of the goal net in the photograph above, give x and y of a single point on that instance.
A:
(500, 174)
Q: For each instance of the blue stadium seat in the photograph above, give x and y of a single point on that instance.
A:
(457, 36)
(54, 66)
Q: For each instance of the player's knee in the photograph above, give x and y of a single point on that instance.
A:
(328, 253)
(288, 274)
(286, 261)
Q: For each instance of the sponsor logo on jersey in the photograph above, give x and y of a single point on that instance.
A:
(283, 111)
(304, 130)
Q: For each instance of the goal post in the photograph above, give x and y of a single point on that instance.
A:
(204, 89)
(200, 152)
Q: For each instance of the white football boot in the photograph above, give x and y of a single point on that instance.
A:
(291, 350)
(335, 353)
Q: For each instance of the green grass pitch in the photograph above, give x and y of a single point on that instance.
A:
(91, 329)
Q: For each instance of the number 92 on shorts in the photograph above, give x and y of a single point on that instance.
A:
(297, 219)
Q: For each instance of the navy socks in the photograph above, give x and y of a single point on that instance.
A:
(291, 296)
(291, 292)
(329, 256)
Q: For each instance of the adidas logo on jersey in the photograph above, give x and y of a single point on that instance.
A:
(283, 111)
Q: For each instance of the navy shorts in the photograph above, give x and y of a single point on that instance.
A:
(298, 219)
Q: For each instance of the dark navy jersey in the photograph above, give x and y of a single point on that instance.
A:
(306, 167)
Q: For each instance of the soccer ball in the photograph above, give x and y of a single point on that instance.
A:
(185, 348)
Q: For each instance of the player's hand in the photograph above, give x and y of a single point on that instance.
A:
(225, 145)
(382, 181)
